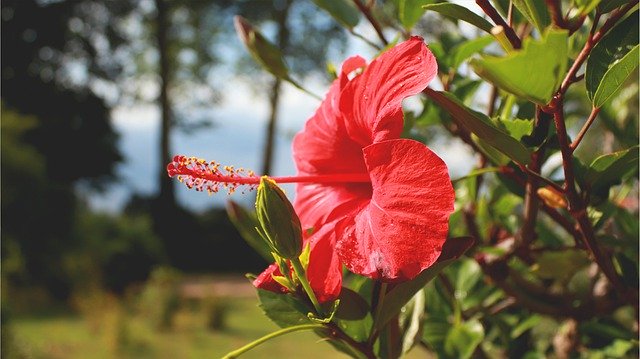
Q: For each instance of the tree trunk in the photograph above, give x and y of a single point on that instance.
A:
(167, 194)
(281, 16)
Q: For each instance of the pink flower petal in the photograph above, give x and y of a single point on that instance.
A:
(402, 229)
(372, 102)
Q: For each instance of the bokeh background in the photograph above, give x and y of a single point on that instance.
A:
(103, 255)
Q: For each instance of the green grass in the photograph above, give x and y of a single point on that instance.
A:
(116, 334)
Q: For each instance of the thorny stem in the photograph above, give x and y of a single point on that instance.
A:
(583, 131)
(498, 20)
(366, 11)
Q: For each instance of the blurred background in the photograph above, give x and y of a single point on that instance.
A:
(102, 252)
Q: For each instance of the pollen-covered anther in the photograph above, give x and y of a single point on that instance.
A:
(207, 177)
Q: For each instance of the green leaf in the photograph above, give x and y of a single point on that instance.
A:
(517, 128)
(434, 331)
(352, 305)
(283, 309)
(480, 125)
(615, 77)
(410, 11)
(403, 292)
(461, 13)
(586, 6)
(610, 5)
(342, 10)
(264, 52)
(560, 265)
(535, 11)
(467, 276)
(618, 349)
(463, 339)
(410, 320)
(611, 52)
(466, 49)
(608, 170)
(534, 72)
(246, 223)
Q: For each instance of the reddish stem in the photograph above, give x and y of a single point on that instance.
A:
(583, 131)
(366, 11)
(591, 42)
(498, 20)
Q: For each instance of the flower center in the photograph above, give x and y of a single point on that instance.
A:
(210, 176)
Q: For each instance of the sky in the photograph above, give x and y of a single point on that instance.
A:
(236, 138)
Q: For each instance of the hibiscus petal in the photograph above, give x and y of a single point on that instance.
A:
(372, 102)
(265, 280)
(325, 270)
(402, 229)
(317, 204)
(324, 147)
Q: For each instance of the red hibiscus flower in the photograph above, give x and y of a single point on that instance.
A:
(376, 203)
(393, 226)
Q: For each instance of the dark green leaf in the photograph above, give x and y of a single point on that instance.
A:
(463, 339)
(246, 223)
(535, 11)
(616, 76)
(283, 309)
(610, 5)
(352, 305)
(608, 170)
(609, 51)
(434, 331)
(402, 293)
(480, 125)
(342, 10)
(627, 268)
(547, 59)
(466, 49)
(461, 13)
(410, 11)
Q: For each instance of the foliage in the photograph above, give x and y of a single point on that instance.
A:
(553, 271)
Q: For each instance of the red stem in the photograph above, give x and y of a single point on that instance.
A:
(366, 11)
(591, 42)
(498, 20)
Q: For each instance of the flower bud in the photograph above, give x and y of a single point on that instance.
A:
(263, 51)
(552, 197)
(279, 222)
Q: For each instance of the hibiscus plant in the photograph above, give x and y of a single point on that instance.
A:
(532, 253)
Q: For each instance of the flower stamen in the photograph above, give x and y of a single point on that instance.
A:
(208, 177)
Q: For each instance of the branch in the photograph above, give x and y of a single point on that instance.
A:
(556, 13)
(499, 21)
(591, 42)
(583, 131)
(578, 209)
(366, 11)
